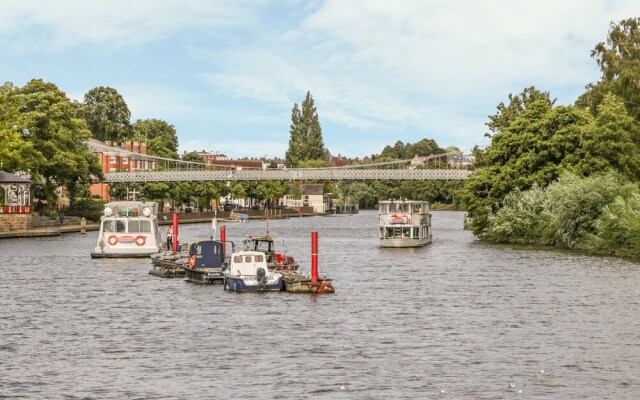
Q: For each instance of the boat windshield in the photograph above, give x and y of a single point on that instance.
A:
(120, 226)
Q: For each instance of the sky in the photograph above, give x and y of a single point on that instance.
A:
(226, 74)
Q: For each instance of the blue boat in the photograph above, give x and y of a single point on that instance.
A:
(205, 262)
(248, 272)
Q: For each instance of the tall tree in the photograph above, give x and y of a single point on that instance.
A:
(160, 136)
(47, 120)
(305, 142)
(619, 61)
(16, 152)
(107, 114)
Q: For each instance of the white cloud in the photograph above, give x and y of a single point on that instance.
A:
(422, 65)
(61, 24)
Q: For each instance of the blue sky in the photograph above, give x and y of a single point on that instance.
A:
(226, 73)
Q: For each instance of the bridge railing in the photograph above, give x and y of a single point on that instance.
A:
(286, 175)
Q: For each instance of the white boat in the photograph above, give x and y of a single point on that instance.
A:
(128, 229)
(404, 223)
(248, 272)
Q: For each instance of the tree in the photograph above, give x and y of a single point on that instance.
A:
(47, 120)
(193, 156)
(530, 148)
(16, 153)
(305, 142)
(161, 137)
(517, 105)
(619, 61)
(107, 114)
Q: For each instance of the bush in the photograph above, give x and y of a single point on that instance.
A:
(599, 213)
(89, 208)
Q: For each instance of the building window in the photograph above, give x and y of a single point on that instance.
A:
(112, 159)
(125, 160)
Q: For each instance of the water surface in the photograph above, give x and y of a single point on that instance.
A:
(459, 319)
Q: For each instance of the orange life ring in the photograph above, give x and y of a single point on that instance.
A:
(325, 287)
(113, 240)
(140, 240)
(192, 262)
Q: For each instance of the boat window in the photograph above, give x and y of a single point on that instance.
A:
(136, 226)
(120, 227)
(237, 259)
(258, 258)
(416, 232)
(392, 207)
(416, 209)
(247, 259)
(109, 226)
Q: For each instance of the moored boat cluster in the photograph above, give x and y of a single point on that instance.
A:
(257, 267)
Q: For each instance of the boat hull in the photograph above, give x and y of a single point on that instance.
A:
(250, 284)
(95, 254)
(404, 242)
(202, 276)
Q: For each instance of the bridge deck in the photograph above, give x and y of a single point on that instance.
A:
(286, 175)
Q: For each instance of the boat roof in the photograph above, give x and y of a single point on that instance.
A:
(402, 201)
(130, 203)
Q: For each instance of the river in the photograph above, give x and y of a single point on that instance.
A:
(458, 319)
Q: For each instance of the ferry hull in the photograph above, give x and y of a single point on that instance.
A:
(404, 242)
(112, 254)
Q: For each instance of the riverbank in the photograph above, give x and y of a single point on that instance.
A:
(163, 219)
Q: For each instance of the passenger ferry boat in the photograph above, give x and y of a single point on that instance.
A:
(128, 229)
(404, 223)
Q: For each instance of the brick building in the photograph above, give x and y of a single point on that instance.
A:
(128, 156)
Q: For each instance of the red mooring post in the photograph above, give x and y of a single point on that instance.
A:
(223, 239)
(314, 257)
(174, 239)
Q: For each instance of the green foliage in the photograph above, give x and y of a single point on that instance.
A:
(506, 114)
(401, 151)
(107, 114)
(193, 156)
(619, 61)
(89, 208)
(38, 123)
(305, 142)
(161, 137)
(599, 213)
(534, 144)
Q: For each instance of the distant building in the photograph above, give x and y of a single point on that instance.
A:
(209, 157)
(312, 196)
(460, 160)
(129, 156)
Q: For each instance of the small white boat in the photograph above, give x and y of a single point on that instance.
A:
(128, 229)
(248, 272)
(404, 223)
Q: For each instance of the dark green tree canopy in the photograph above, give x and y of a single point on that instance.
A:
(161, 137)
(41, 121)
(107, 114)
(193, 156)
(619, 61)
(305, 142)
